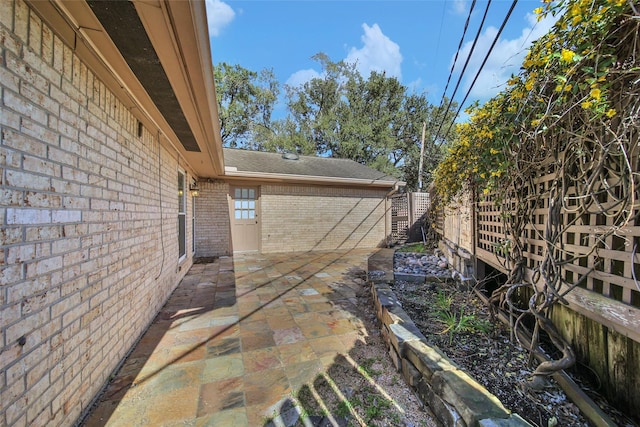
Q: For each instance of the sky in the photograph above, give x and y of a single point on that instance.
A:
(413, 40)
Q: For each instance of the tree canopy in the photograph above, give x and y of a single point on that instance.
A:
(376, 121)
(245, 103)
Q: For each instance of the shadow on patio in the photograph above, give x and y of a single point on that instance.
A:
(262, 340)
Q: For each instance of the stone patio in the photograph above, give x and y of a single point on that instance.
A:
(237, 338)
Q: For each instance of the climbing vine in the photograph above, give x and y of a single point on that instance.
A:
(571, 115)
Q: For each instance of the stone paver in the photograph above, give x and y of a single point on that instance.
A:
(236, 338)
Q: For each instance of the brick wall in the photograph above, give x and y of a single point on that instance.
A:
(212, 220)
(302, 218)
(88, 245)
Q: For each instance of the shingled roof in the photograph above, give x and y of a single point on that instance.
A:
(243, 162)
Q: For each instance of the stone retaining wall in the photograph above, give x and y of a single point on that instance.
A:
(455, 398)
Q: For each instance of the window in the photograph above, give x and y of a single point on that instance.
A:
(193, 224)
(182, 216)
(244, 203)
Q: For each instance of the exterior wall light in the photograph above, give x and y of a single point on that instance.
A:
(194, 189)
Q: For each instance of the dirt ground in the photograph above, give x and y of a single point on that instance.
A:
(363, 387)
(458, 322)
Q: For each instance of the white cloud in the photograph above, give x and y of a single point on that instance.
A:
(505, 60)
(301, 77)
(460, 7)
(416, 84)
(379, 53)
(219, 15)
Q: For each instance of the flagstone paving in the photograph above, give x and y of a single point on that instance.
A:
(237, 337)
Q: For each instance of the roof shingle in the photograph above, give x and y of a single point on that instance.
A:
(275, 163)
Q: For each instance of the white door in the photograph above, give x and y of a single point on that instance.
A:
(245, 227)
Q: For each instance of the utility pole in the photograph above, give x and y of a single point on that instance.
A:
(424, 129)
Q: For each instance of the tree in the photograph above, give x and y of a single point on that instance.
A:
(373, 121)
(284, 136)
(439, 133)
(313, 105)
(245, 100)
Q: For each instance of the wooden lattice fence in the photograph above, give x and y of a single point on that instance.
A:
(406, 210)
(614, 266)
(602, 317)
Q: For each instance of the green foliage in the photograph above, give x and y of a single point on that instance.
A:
(366, 367)
(563, 90)
(416, 248)
(456, 323)
(245, 103)
(374, 120)
(563, 136)
(376, 406)
(443, 301)
(345, 407)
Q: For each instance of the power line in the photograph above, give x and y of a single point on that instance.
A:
(444, 8)
(455, 59)
(486, 58)
(464, 69)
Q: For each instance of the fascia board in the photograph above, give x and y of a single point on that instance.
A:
(179, 33)
(274, 177)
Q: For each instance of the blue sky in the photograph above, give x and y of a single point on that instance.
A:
(414, 40)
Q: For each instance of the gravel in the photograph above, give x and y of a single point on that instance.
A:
(425, 264)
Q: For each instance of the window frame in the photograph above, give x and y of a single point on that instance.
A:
(182, 215)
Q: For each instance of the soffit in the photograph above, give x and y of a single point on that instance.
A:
(126, 46)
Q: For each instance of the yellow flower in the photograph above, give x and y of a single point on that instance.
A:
(586, 104)
(595, 94)
(537, 10)
(567, 55)
(493, 151)
(485, 191)
(611, 112)
(482, 175)
(535, 122)
(529, 84)
(575, 10)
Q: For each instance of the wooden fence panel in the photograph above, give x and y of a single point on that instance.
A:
(406, 210)
(615, 262)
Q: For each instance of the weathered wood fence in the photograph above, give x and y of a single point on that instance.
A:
(406, 210)
(602, 318)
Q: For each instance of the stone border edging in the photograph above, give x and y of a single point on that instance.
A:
(453, 396)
